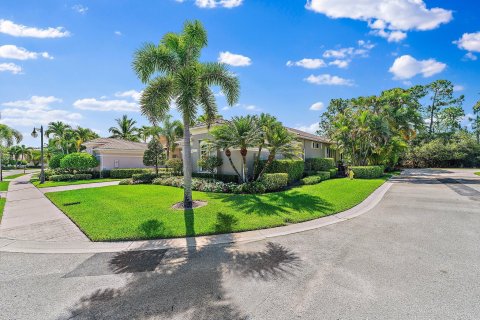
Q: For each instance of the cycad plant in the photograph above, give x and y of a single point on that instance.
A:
(172, 72)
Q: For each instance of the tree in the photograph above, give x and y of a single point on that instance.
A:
(449, 119)
(476, 121)
(145, 132)
(35, 157)
(61, 133)
(7, 137)
(25, 153)
(171, 131)
(173, 73)
(125, 129)
(153, 156)
(203, 118)
(78, 161)
(210, 164)
(82, 135)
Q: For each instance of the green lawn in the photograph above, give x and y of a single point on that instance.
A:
(48, 184)
(477, 173)
(13, 176)
(2, 206)
(4, 185)
(144, 211)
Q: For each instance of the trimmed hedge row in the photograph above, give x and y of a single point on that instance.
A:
(69, 177)
(333, 172)
(275, 181)
(319, 164)
(227, 178)
(126, 173)
(146, 177)
(294, 168)
(319, 177)
(367, 172)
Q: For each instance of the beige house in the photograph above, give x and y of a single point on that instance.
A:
(116, 153)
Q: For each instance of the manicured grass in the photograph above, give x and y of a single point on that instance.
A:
(477, 173)
(144, 211)
(48, 184)
(4, 185)
(13, 176)
(2, 206)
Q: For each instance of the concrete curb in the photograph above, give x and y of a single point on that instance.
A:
(26, 246)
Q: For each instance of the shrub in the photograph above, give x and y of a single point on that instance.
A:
(61, 177)
(319, 164)
(54, 162)
(143, 177)
(317, 178)
(125, 182)
(126, 173)
(367, 172)
(227, 178)
(294, 168)
(78, 161)
(251, 187)
(210, 164)
(333, 172)
(105, 173)
(176, 165)
(82, 176)
(275, 181)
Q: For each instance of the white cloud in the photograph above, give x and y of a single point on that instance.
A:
(327, 79)
(469, 42)
(458, 87)
(313, 128)
(80, 8)
(308, 63)
(339, 63)
(317, 106)
(470, 56)
(217, 3)
(236, 60)
(387, 18)
(105, 105)
(133, 94)
(340, 53)
(36, 111)
(10, 67)
(10, 51)
(406, 67)
(117, 33)
(343, 56)
(18, 30)
(248, 107)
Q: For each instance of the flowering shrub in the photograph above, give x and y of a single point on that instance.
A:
(209, 185)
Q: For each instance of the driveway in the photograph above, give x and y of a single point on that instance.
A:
(414, 256)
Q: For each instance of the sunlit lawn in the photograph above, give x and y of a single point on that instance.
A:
(4, 185)
(48, 184)
(2, 206)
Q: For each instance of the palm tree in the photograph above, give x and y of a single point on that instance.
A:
(145, 132)
(60, 132)
(7, 137)
(239, 133)
(171, 131)
(173, 73)
(83, 135)
(126, 129)
(25, 153)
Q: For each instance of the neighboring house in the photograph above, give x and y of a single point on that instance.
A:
(313, 147)
(175, 154)
(116, 153)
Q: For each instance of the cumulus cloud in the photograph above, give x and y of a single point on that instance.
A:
(10, 51)
(307, 63)
(327, 79)
(18, 30)
(94, 104)
(339, 63)
(313, 128)
(35, 111)
(406, 67)
(317, 106)
(80, 8)
(133, 94)
(387, 18)
(471, 43)
(343, 56)
(236, 60)
(10, 67)
(217, 3)
(470, 56)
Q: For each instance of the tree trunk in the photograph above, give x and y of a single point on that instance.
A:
(1, 169)
(257, 161)
(432, 112)
(243, 152)
(229, 156)
(187, 166)
(271, 156)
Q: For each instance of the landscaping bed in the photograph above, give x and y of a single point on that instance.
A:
(145, 211)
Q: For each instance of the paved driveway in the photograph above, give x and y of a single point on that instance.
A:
(414, 256)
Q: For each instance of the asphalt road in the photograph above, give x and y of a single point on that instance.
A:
(416, 255)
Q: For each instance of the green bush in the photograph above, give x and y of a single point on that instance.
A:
(319, 164)
(294, 168)
(227, 178)
(317, 178)
(78, 161)
(61, 177)
(126, 173)
(125, 182)
(105, 173)
(54, 162)
(367, 172)
(82, 176)
(333, 172)
(275, 181)
(254, 187)
(176, 165)
(143, 177)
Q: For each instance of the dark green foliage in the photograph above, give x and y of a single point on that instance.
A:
(254, 187)
(333, 172)
(220, 177)
(70, 177)
(294, 168)
(319, 164)
(176, 165)
(126, 173)
(82, 176)
(153, 156)
(367, 172)
(78, 161)
(317, 178)
(105, 173)
(210, 164)
(275, 181)
(54, 162)
(143, 177)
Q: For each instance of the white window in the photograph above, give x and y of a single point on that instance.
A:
(331, 153)
(315, 145)
(116, 164)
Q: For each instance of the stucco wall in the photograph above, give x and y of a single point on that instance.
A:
(125, 161)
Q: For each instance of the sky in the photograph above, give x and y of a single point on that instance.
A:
(71, 60)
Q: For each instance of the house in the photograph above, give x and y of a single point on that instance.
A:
(116, 153)
(314, 146)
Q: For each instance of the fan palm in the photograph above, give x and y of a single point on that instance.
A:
(173, 73)
(83, 135)
(126, 129)
(60, 133)
(7, 137)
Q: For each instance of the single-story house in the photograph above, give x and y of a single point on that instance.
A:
(314, 146)
(114, 153)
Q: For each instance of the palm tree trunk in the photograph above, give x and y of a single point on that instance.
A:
(229, 156)
(187, 166)
(264, 169)
(245, 168)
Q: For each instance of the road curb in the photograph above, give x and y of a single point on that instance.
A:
(76, 247)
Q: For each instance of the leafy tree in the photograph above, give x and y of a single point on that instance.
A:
(449, 119)
(78, 161)
(7, 137)
(153, 156)
(210, 164)
(173, 73)
(54, 162)
(476, 121)
(125, 129)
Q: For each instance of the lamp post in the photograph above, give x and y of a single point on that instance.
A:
(42, 170)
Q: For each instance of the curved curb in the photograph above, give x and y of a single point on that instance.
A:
(28, 246)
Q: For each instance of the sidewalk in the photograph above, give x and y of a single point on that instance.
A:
(29, 215)
(79, 186)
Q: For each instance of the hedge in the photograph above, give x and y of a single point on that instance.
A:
(220, 177)
(54, 162)
(69, 177)
(319, 164)
(78, 161)
(294, 168)
(333, 172)
(143, 177)
(126, 173)
(319, 177)
(367, 172)
(275, 181)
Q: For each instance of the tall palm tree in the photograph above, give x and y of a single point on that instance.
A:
(171, 131)
(173, 73)
(25, 153)
(126, 129)
(145, 132)
(60, 133)
(7, 137)
(83, 135)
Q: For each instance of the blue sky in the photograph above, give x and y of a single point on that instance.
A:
(71, 60)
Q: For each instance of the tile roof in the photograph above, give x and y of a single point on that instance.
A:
(115, 144)
(308, 136)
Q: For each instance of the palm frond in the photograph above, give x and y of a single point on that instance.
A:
(217, 74)
(156, 98)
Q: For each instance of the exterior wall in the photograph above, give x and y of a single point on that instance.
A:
(176, 153)
(125, 160)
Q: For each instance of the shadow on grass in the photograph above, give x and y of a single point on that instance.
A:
(225, 222)
(152, 228)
